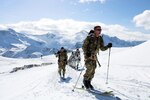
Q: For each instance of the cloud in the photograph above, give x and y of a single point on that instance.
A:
(70, 27)
(143, 20)
(87, 1)
(42, 26)
(3, 27)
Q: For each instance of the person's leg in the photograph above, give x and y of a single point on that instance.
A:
(92, 74)
(64, 69)
(59, 69)
(78, 64)
(88, 73)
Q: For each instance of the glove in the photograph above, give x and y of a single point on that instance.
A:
(88, 54)
(109, 45)
(65, 60)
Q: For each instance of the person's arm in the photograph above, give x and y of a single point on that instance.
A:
(102, 47)
(66, 57)
(85, 47)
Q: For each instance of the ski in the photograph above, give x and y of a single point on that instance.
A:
(97, 91)
(77, 69)
(102, 93)
(62, 78)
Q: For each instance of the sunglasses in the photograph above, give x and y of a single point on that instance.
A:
(98, 29)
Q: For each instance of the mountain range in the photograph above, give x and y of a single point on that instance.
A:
(22, 45)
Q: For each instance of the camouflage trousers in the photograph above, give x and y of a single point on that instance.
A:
(90, 69)
(61, 68)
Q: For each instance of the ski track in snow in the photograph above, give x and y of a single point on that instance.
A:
(51, 86)
(130, 86)
(43, 83)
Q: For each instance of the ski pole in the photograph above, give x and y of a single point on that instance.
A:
(98, 61)
(77, 81)
(108, 66)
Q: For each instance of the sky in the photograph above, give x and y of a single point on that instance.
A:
(133, 15)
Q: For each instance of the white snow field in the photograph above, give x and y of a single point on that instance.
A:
(129, 77)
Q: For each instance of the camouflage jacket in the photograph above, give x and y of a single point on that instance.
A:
(93, 44)
(62, 56)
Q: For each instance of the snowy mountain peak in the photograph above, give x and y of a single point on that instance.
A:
(15, 44)
(11, 30)
(51, 35)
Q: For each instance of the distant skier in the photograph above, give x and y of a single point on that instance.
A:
(78, 58)
(71, 61)
(62, 61)
(41, 56)
(74, 59)
(91, 46)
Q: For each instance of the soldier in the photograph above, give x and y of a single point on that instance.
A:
(91, 46)
(41, 56)
(71, 61)
(62, 61)
(78, 58)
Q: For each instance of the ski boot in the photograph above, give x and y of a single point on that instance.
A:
(90, 85)
(85, 82)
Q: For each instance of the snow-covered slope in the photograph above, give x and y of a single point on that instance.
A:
(139, 54)
(129, 77)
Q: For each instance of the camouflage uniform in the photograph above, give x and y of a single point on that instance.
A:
(62, 61)
(91, 47)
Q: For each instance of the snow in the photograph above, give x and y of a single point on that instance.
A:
(129, 77)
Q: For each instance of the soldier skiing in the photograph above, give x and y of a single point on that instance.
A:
(74, 59)
(78, 58)
(91, 46)
(62, 62)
